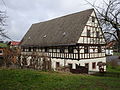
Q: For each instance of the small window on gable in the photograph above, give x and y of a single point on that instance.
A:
(62, 50)
(97, 34)
(86, 49)
(88, 33)
(70, 49)
(93, 19)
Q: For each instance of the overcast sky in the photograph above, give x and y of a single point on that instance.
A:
(22, 13)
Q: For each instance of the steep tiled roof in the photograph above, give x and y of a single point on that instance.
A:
(64, 30)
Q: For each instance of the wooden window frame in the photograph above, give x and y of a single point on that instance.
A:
(97, 34)
(70, 49)
(23, 49)
(77, 66)
(57, 64)
(1, 51)
(34, 49)
(99, 49)
(87, 65)
(93, 18)
(70, 65)
(29, 49)
(94, 65)
(86, 49)
(62, 50)
(46, 49)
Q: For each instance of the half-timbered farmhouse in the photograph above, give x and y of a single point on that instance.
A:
(75, 39)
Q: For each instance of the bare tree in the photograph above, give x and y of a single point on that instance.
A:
(109, 17)
(2, 25)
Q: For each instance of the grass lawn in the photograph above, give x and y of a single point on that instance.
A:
(35, 80)
(116, 53)
(115, 69)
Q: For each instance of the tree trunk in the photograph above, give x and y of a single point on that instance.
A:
(118, 35)
(118, 46)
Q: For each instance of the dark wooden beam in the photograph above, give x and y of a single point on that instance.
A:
(78, 49)
(84, 44)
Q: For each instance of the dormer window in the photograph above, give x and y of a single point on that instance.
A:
(64, 33)
(29, 38)
(44, 36)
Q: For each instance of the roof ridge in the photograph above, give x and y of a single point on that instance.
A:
(65, 15)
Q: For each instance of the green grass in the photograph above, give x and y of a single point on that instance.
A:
(113, 69)
(35, 80)
(116, 53)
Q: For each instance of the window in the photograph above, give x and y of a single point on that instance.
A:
(93, 49)
(70, 65)
(97, 34)
(42, 50)
(34, 48)
(57, 64)
(86, 49)
(23, 49)
(29, 49)
(1, 51)
(46, 49)
(87, 65)
(77, 66)
(62, 50)
(94, 65)
(88, 33)
(70, 49)
(93, 19)
(99, 49)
